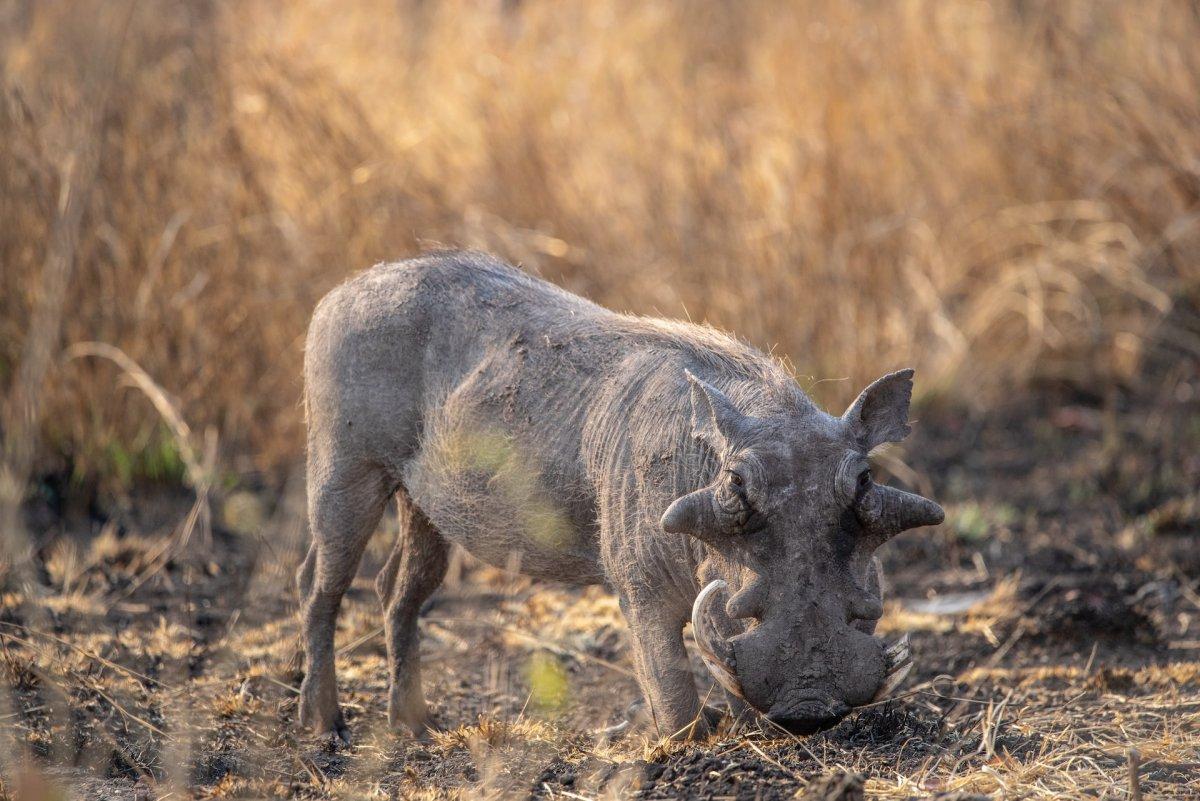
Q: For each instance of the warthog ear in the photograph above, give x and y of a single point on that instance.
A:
(714, 417)
(704, 513)
(880, 414)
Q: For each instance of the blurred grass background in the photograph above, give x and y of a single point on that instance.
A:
(1003, 194)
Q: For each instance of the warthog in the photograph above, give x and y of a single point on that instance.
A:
(537, 429)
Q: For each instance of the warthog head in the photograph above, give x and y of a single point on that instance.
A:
(792, 521)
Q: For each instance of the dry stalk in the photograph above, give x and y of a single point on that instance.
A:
(200, 465)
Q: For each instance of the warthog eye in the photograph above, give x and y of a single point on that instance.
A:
(864, 480)
(731, 496)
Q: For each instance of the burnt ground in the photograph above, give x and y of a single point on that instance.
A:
(1055, 625)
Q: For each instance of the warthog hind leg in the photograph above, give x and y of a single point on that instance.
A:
(413, 571)
(343, 511)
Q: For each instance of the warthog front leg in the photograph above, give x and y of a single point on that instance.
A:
(664, 671)
(413, 571)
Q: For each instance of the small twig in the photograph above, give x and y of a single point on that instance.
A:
(799, 743)
(544, 643)
(91, 686)
(690, 727)
(1135, 784)
(120, 708)
(569, 794)
(199, 461)
(366, 638)
(962, 702)
(1187, 588)
(775, 762)
(1091, 659)
(279, 683)
(317, 775)
(159, 559)
(101, 730)
(909, 692)
(24, 712)
(84, 651)
(157, 396)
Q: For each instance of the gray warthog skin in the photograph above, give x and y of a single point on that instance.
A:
(540, 431)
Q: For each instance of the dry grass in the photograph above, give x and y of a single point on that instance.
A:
(188, 691)
(129, 677)
(1001, 193)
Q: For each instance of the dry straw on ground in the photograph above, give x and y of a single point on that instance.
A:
(1004, 194)
(1000, 193)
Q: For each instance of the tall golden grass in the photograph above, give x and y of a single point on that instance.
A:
(999, 193)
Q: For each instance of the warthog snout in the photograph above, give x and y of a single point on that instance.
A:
(802, 675)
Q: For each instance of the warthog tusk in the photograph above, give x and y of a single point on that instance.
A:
(719, 667)
(900, 663)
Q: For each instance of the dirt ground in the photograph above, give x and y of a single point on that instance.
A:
(1055, 625)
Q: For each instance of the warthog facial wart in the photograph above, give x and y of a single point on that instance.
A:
(679, 466)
